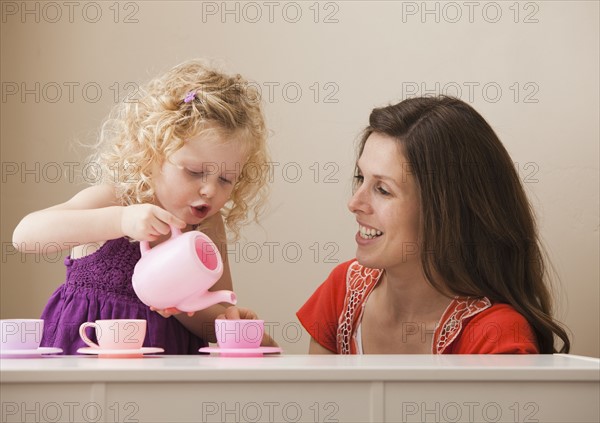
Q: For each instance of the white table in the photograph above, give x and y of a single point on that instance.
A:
(291, 388)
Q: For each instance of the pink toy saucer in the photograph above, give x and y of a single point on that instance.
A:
(241, 352)
(108, 353)
(30, 353)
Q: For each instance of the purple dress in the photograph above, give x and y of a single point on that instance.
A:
(98, 286)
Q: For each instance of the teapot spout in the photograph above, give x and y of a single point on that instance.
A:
(207, 299)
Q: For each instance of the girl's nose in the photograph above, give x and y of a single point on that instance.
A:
(207, 189)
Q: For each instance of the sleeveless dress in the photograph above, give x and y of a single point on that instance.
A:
(98, 286)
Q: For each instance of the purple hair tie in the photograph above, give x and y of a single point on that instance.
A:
(189, 97)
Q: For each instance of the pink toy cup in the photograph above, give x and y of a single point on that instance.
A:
(117, 334)
(245, 333)
(21, 334)
(179, 272)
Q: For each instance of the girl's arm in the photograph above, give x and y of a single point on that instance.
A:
(202, 323)
(92, 215)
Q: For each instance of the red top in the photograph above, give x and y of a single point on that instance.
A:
(468, 326)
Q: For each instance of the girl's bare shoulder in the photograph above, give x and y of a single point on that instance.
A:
(93, 197)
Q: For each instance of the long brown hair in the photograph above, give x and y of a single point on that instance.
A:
(478, 231)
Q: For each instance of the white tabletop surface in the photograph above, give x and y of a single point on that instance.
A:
(302, 368)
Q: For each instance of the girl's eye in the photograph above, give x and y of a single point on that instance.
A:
(194, 173)
(359, 179)
(225, 181)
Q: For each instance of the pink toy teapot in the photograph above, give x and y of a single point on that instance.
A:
(179, 272)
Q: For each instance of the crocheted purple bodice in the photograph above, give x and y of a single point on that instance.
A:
(109, 269)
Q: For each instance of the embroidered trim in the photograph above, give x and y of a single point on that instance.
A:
(452, 326)
(359, 281)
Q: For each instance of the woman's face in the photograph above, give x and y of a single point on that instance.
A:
(386, 206)
(199, 178)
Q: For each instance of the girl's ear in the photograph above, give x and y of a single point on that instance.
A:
(156, 168)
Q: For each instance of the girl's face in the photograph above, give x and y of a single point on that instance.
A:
(386, 206)
(199, 178)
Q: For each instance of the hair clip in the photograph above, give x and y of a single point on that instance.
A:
(189, 97)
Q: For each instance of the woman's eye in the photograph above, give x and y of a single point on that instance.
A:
(359, 179)
(194, 173)
(382, 191)
(225, 181)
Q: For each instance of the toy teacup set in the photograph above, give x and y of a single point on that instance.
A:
(176, 273)
(20, 338)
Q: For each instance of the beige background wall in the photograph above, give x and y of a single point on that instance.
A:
(531, 68)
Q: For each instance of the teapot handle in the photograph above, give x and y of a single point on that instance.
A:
(145, 245)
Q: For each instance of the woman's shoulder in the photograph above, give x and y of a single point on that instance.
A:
(500, 314)
(342, 280)
(335, 283)
(497, 328)
(478, 310)
(349, 278)
(331, 291)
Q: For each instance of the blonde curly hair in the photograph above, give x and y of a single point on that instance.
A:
(141, 133)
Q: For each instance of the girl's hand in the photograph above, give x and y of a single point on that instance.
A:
(147, 222)
(171, 311)
(239, 313)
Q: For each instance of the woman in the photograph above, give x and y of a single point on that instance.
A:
(448, 258)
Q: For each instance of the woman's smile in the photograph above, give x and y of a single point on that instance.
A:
(385, 203)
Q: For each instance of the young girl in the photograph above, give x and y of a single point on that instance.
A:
(177, 156)
(448, 258)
